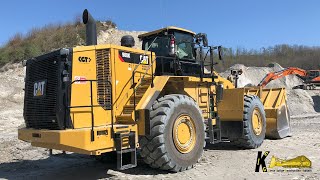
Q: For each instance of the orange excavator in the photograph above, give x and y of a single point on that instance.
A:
(311, 78)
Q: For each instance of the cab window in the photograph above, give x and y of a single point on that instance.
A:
(160, 45)
(185, 45)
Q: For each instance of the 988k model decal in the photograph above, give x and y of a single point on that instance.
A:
(133, 58)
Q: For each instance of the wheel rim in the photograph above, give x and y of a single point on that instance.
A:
(256, 122)
(184, 133)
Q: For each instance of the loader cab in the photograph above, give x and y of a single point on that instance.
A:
(313, 74)
(175, 51)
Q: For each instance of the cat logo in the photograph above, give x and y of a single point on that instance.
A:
(144, 59)
(39, 88)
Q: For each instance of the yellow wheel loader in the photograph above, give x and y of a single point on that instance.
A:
(163, 102)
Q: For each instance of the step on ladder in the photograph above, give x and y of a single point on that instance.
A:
(132, 151)
(214, 131)
(127, 117)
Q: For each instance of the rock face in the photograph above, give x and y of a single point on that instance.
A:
(299, 101)
(113, 36)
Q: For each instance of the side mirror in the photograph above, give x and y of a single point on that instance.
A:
(204, 40)
(201, 37)
(220, 52)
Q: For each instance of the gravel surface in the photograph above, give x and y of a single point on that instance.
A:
(19, 160)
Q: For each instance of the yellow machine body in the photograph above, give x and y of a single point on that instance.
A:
(120, 86)
(78, 138)
(121, 78)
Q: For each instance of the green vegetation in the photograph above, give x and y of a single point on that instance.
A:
(286, 55)
(42, 40)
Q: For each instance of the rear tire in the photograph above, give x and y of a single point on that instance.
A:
(254, 123)
(160, 149)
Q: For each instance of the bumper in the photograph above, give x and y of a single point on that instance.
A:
(72, 140)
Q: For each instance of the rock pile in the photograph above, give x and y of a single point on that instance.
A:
(300, 102)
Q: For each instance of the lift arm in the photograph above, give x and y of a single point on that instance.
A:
(279, 74)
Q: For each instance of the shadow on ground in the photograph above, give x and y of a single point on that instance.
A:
(223, 146)
(70, 166)
(76, 166)
(316, 101)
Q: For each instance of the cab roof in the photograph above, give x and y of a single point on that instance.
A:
(165, 29)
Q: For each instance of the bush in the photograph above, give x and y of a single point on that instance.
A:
(43, 40)
(286, 55)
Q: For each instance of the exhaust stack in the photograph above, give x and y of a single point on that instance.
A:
(91, 29)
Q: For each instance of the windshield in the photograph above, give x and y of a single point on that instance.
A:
(184, 45)
(313, 73)
(160, 45)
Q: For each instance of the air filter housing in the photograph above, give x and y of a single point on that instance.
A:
(127, 41)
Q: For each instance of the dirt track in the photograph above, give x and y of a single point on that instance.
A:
(20, 160)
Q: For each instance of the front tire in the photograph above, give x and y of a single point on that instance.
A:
(254, 123)
(177, 134)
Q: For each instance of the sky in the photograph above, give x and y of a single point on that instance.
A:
(248, 24)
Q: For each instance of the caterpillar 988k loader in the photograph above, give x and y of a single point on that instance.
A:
(157, 102)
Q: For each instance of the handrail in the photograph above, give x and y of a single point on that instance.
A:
(138, 85)
(109, 106)
(145, 52)
(144, 74)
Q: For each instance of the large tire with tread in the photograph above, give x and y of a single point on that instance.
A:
(251, 137)
(159, 149)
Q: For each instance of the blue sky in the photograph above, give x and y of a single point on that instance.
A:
(231, 23)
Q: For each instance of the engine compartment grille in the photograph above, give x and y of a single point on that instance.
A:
(40, 112)
(103, 77)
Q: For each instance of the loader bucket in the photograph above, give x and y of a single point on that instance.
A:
(277, 113)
